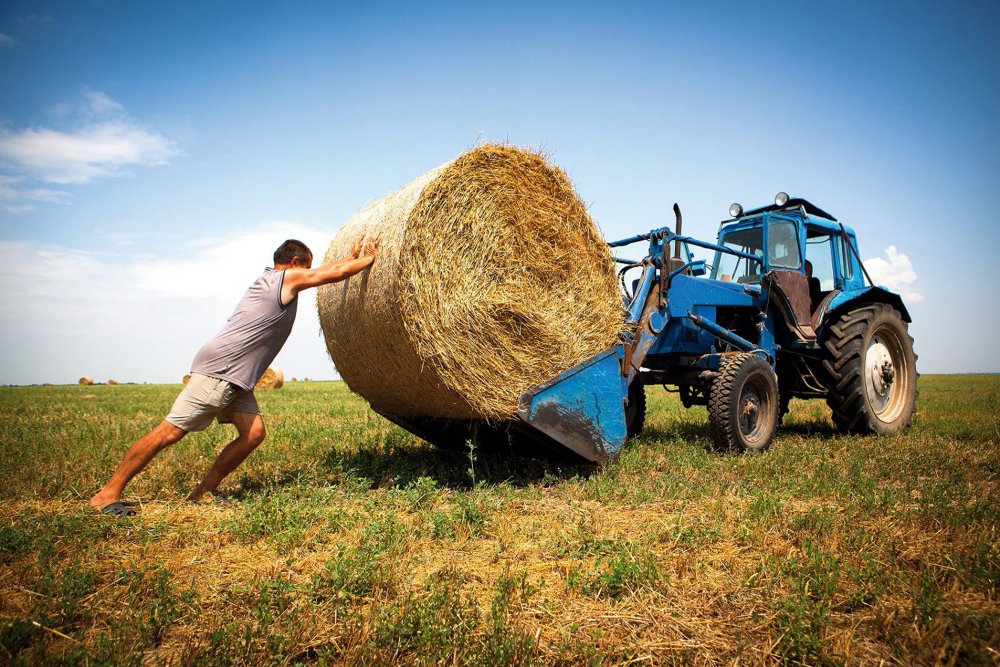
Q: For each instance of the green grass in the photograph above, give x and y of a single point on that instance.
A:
(352, 542)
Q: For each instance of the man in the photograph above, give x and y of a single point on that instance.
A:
(226, 369)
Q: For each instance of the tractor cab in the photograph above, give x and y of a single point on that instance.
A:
(806, 258)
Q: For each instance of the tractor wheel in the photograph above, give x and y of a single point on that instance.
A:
(743, 404)
(635, 411)
(872, 371)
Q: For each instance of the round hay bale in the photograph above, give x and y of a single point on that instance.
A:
(272, 378)
(490, 279)
(187, 378)
(86, 381)
(112, 381)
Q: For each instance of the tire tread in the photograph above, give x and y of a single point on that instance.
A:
(720, 401)
(844, 347)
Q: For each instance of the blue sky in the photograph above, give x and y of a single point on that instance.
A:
(153, 154)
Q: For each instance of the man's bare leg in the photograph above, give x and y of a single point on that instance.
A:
(136, 458)
(252, 433)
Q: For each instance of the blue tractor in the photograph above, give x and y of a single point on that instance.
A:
(785, 310)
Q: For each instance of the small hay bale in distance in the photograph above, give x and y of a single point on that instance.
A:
(273, 378)
(112, 381)
(86, 381)
(490, 279)
(187, 378)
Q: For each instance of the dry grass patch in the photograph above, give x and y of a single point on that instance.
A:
(348, 542)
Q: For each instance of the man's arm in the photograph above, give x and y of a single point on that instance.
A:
(298, 279)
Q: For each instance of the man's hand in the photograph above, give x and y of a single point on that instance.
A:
(371, 245)
(364, 245)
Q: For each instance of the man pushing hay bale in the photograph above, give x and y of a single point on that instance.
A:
(228, 367)
(491, 279)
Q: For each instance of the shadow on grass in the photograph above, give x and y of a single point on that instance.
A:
(699, 435)
(687, 433)
(397, 465)
(249, 486)
(401, 459)
(815, 428)
(684, 432)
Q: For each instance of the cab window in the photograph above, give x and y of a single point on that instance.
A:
(782, 245)
(846, 270)
(819, 254)
(739, 269)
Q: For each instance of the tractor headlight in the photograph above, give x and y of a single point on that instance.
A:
(735, 211)
(781, 198)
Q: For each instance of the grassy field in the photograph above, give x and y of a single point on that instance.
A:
(349, 541)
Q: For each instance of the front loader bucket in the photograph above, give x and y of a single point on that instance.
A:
(582, 410)
(576, 416)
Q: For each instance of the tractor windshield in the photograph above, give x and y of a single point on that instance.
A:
(782, 244)
(731, 267)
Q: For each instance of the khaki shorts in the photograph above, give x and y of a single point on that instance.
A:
(206, 398)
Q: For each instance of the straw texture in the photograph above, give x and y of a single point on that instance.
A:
(490, 278)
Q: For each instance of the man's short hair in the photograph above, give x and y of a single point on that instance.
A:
(292, 248)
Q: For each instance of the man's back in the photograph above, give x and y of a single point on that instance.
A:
(253, 334)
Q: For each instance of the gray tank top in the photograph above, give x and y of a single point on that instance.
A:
(252, 337)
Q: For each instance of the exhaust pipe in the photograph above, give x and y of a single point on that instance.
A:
(680, 222)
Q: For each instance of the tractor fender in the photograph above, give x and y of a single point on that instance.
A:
(854, 297)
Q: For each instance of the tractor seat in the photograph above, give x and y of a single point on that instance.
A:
(815, 291)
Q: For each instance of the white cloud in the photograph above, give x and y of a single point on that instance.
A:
(120, 239)
(17, 209)
(6, 41)
(895, 272)
(140, 316)
(9, 192)
(103, 141)
(99, 103)
(85, 154)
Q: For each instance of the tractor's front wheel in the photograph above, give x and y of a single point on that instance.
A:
(872, 371)
(635, 411)
(743, 404)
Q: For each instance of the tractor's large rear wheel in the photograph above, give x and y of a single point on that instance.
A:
(872, 371)
(635, 411)
(743, 404)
